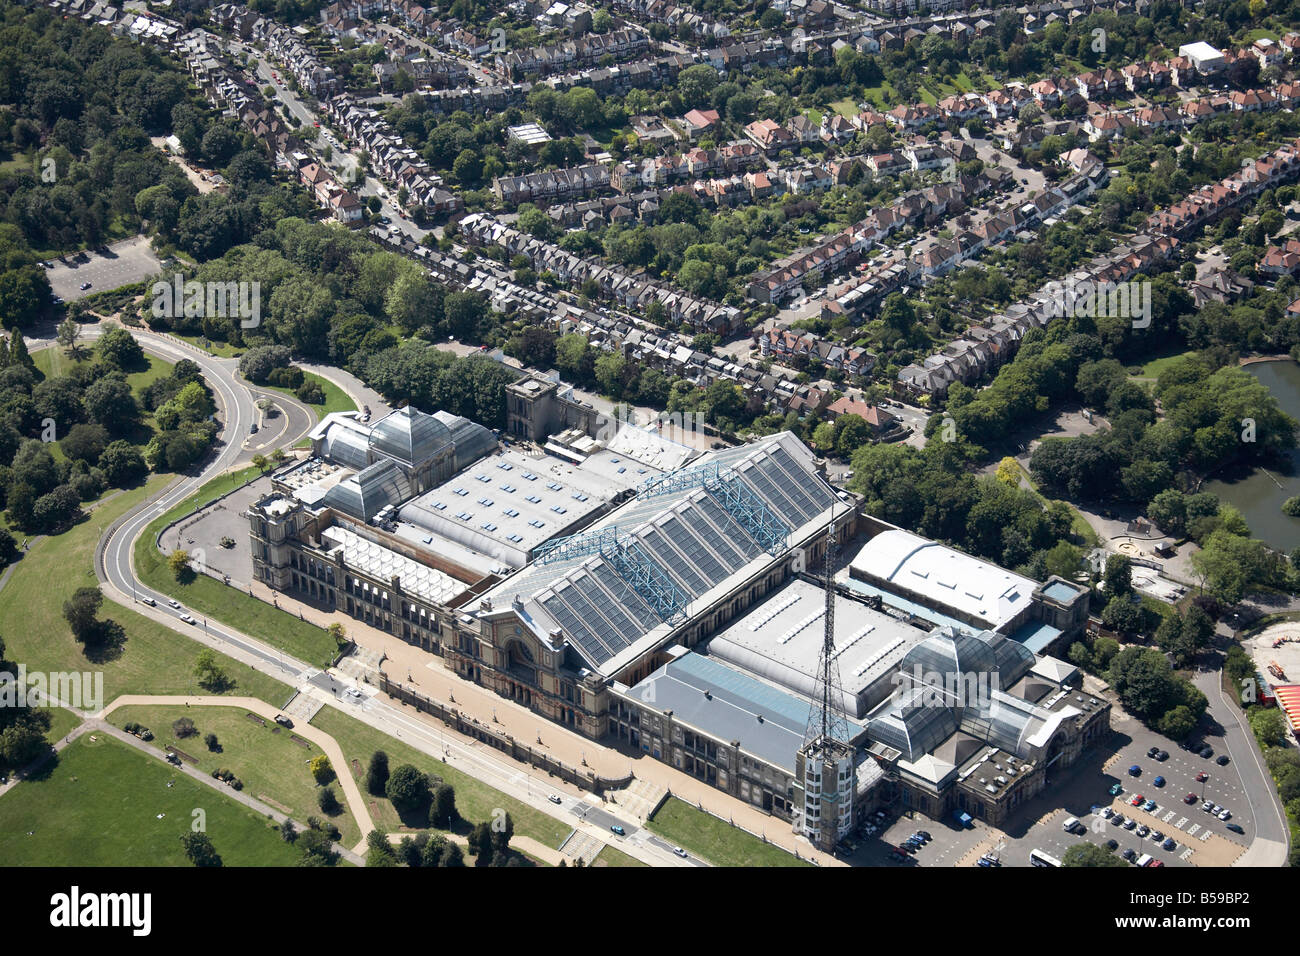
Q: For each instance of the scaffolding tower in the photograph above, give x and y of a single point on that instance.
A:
(735, 496)
(632, 562)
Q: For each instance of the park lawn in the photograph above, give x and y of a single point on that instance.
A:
(715, 840)
(336, 400)
(847, 108)
(272, 765)
(219, 349)
(1157, 366)
(876, 95)
(612, 856)
(62, 722)
(927, 97)
(475, 800)
(211, 598)
(98, 806)
(54, 361)
(153, 660)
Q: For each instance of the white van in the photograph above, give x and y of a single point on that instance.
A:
(1070, 823)
(1143, 860)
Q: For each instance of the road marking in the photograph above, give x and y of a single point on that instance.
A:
(1170, 815)
(1185, 854)
(1182, 822)
(1205, 835)
(1191, 831)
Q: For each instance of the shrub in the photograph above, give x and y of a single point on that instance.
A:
(184, 727)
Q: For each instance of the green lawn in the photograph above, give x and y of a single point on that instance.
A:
(99, 806)
(715, 840)
(847, 108)
(336, 400)
(62, 721)
(610, 856)
(211, 598)
(1157, 366)
(876, 95)
(153, 659)
(54, 361)
(475, 800)
(272, 766)
(219, 349)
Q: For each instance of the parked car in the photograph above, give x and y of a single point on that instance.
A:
(1116, 790)
(1143, 830)
(1207, 752)
(1202, 777)
(1190, 798)
(1158, 782)
(1207, 806)
(283, 721)
(617, 828)
(1112, 845)
(1157, 836)
(1235, 828)
(1129, 854)
(924, 835)
(1129, 824)
(1225, 814)
(1135, 771)
(1162, 756)
(1153, 751)
(1169, 844)
(1149, 806)
(554, 798)
(1223, 760)
(1137, 800)
(85, 286)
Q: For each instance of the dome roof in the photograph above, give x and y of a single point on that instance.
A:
(950, 651)
(410, 437)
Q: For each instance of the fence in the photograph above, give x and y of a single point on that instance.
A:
(470, 727)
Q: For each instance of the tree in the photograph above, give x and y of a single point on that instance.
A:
(1122, 615)
(379, 852)
(260, 462)
(110, 402)
(503, 828)
(316, 848)
(288, 832)
(1008, 472)
(122, 464)
(377, 774)
(1269, 725)
(209, 673)
(407, 789)
(184, 727)
(442, 809)
(339, 633)
(480, 844)
(81, 610)
(321, 770)
(85, 443)
(1118, 577)
(1090, 854)
(118, 347)
(452, 856)
(178, 562)
(327, 800)
(199, 849)
(210, 741)
(68, 333)
(1177, 723)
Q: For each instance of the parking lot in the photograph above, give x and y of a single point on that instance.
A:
(131, 260)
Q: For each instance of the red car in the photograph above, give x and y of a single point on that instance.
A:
(1190, 798)
(1202, 777)
(1137, 800)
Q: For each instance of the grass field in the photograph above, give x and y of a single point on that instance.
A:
(336, 400)
(846, 108)
(475, 800)
(211, 598)
(54, 361)
(99, 806)
(272, 766)
(709, 838)
(1157, 366)
(153, 660)
(611, 856)
(219, 349)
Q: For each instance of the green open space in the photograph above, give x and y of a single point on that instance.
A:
(715, 840)
(54, 361)
(270, 761)
(336, 400)
(475, 800)
(153, 659)
(99, 805)
(211, 598)
(612, 856)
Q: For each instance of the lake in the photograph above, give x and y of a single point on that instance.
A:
(1260, 493)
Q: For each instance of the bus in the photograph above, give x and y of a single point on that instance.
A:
(1039, 858)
